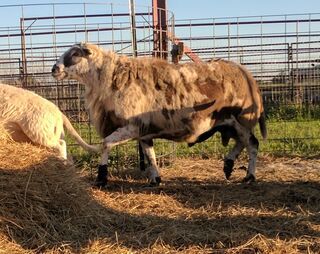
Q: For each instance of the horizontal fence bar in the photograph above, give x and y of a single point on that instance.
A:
(86, 16)
(245, 22)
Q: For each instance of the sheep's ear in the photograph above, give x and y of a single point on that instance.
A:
(85, 49)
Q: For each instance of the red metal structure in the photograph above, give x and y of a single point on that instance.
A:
(160, 29)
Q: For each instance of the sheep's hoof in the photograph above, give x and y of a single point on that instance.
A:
(100, 184)
(191, 144)
(101, 180)
(156, 183)
(249, 179)
(228, 168)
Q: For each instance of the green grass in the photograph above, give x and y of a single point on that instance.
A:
(297, 138)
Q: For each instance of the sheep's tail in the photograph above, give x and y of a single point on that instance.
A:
(262, 119)
(262, 125)
(67, 124)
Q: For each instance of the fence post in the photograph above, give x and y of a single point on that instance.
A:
(23, 70)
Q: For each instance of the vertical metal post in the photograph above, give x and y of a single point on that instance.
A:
(229, 43)
(238, 43)
(291, 71)
(149, 31)
(135, 54)
(190, 34)
(261, 50)
(159, 15)
(214, 38)
(85, 22)
(112, 25)
(54, 38)
(313, 74)
(133, 28)
(300, 77)
(9, 53)
(54, 34)
(23, 53)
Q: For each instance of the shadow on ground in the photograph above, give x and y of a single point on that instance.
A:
(47, 206)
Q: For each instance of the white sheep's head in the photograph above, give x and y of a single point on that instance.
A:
(74, 63)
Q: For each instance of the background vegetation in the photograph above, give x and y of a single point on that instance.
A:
(292, 131)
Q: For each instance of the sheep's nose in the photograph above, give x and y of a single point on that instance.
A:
(55, 68)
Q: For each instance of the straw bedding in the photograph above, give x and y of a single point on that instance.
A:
(49, 207)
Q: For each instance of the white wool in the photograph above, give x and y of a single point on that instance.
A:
(29, 117)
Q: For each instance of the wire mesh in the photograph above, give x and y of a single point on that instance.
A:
(282, 52)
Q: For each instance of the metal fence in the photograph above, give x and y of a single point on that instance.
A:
(282, 52)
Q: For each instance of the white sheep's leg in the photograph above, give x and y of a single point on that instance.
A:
(231, 157)
(62, 148)
(153, 171)
(118, 137)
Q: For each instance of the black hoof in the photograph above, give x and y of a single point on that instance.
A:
(228, 168)
(156, 183)
(101, 180)
(100, 184)
(249, 179)
(191, 144)
(225, 140)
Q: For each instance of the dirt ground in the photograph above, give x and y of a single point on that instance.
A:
(195, 207)
(49, 207)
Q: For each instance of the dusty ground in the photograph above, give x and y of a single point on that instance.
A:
(48, 207)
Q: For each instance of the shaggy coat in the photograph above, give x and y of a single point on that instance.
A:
(29, 117)
(147, 98)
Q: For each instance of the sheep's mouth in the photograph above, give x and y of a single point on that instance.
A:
(59, 75)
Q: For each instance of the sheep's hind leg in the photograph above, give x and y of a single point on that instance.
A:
(253, 152)
(153, 171)
(62, 149)
(250, 142)
(142, 162)
(231, 157)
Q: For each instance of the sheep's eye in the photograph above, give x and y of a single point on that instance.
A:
(76, 54)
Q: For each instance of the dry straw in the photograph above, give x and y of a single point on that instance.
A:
(46, 206)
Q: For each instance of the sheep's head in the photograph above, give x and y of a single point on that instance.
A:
(74, 63)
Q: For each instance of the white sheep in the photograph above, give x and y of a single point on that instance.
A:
(29, 117)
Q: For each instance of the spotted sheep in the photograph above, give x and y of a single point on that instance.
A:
(28, 117)
(148, 98)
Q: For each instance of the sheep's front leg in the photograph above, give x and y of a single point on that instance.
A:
(118, 137)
